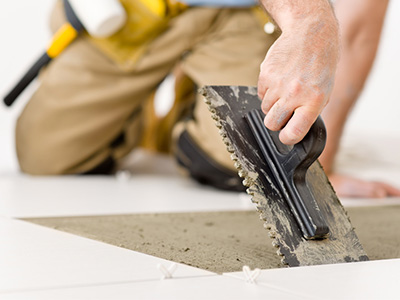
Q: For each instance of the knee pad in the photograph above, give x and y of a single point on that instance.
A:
(203, 168)
(107, 167)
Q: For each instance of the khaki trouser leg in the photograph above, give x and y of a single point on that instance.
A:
(86, 103)
(158, 129)
(83, 105)
(88, 109)
(230, 55)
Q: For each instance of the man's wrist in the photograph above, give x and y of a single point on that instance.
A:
(290, 15)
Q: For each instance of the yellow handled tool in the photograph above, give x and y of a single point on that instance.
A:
(63, 37)
(100, 19)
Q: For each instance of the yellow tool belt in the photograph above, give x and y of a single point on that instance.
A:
(146, 20)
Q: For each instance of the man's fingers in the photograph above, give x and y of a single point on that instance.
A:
(268, 101)
(261, 85)
(298, 126)
(277, 116)
(261, 89)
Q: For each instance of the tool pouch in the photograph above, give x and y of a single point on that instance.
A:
(146, 20)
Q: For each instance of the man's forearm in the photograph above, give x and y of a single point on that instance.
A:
(287, 13)
(361, 23)
(297, 75)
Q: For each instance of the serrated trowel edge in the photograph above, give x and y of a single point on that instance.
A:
(248, 181)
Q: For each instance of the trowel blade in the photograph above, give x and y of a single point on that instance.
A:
(229, 105)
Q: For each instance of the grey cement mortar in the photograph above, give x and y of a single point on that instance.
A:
(220, 241)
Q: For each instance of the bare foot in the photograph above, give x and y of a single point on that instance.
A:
(347, 186)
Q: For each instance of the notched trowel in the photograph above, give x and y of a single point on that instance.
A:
(305, 219)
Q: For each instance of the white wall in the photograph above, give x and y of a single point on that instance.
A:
(24, 35)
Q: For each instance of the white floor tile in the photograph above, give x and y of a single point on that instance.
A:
(351, 202)
(199, 288)
(373, 280)
(35, 257)
(26, 196)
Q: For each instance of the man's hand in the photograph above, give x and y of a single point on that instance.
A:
(297, 75)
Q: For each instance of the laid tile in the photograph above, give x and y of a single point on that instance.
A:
(35, 257)
(363, 280)
(359, 202)
(28, 196)
(211, 287)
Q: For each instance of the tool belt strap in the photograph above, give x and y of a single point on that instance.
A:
(146, 20)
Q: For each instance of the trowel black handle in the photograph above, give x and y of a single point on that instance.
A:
(312, 145)
(26, 79)
(289, 168)
(303, 154)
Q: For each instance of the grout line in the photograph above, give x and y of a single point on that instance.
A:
(98, 284)
(270, 286)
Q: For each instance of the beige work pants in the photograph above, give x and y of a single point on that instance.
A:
(89, 108)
